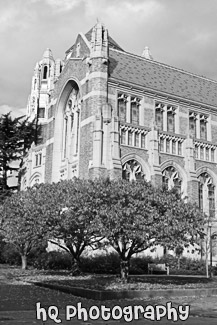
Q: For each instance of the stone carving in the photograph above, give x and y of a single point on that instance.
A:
(132, 170)
(171, 178)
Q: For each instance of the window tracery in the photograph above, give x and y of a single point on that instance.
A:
(206, 194)
(132, 170)
(171, 179)
(71, 123)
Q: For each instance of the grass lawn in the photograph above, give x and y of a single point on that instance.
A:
(18, 293)
(15, 275)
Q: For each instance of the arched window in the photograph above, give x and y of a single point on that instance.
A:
(171, 179)
(71, 124)
(36, 180)
(132, 171)
(206, 194)
(45, 72)
(122, 107)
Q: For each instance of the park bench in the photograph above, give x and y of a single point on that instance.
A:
(158, 268)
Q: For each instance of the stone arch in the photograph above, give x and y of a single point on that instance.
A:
(209, 171)
(181, 173)
(144, 165)
(36, 178)
(207, 193)
(67, 88)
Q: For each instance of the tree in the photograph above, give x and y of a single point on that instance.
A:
(16, 137)
(183, 221)
(208, 243)
(73, 217)
(136, 216)
(127, 216)
(178, 252)
(22, 222)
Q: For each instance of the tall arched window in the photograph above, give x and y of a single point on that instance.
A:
(71, 124)
(45, 72)
(132, 171)
(206, 194)
(171, 179)
(122, 107)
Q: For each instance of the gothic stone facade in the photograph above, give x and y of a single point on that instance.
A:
(107, 112)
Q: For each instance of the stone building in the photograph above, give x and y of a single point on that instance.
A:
(107, 112)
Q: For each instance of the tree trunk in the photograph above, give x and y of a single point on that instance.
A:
(124, 271)
(24, 262)
(165, 250)
(179, 263)
(76, 267)
(206, 261)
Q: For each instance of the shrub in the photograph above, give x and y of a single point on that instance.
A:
(10, 255)
(139, 265)
(53, 261)
(101, 264)
(188, 265)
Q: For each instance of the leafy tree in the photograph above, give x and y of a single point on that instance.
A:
(183, 222)
(136, 216)
(22, 222)
(73, 217)
(127, 217)
(208, 243)
(16, 137)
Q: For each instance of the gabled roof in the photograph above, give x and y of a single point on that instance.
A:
(139, 71)
(111, 42)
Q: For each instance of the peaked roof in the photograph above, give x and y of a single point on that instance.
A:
(139, 71)
(111, 42)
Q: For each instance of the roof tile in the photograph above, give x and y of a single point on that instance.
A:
(160, 77)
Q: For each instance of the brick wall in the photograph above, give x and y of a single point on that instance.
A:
(200, 164)
(86, 149)
(183, 110)
(48, 165)
(214, 133)
(183, 125)
(166, 157)
(130, 150)
(74, 69)
(192, 189)
(50, 130)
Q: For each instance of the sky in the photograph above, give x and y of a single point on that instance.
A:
(180, 33)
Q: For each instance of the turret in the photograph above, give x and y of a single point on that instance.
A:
(45, 74)
(99, 41)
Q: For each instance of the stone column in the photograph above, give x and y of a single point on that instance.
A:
(97, 142)
(156, 176)
(192, 182)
